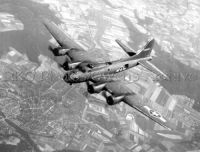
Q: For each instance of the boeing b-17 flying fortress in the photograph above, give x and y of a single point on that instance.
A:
(99, 76)
(80, 67)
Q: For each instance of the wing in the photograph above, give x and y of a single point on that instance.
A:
(134, 100)
(63, 40)
(118, 88)
(69, 51)
(147, 111)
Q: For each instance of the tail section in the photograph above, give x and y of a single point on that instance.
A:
(146, 51)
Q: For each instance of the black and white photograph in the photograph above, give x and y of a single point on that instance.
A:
(99, 76)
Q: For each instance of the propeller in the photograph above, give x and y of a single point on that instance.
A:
(54, 50)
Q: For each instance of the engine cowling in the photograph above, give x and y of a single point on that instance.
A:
(63, 51)
(73, 65)
(112, 100)
(92, 88)
(58, 51)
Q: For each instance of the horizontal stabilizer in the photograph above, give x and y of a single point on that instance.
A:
(129, 51)
(149, 66)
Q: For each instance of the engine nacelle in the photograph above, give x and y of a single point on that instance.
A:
(92, 88)
(73, 65)
(150, 58)
(63, 51)
(112, 100)
(58, 51)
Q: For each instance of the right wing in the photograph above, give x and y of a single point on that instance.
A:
(70, 54)
(63, 40)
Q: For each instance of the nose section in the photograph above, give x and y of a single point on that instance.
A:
(72, 77)
(66, 77)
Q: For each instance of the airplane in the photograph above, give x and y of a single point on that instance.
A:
(71, 55)
(75, 59)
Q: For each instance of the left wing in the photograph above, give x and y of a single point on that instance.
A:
(147, 111)
(135, 101)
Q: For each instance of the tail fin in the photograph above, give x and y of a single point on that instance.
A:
(129, 51)
(146, 51)
(149, 44)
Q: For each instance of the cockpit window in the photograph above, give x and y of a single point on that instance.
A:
(66, 76)
(74, 72)
(108, 63)
(74, 75)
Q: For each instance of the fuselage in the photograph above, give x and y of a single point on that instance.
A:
(76, 76)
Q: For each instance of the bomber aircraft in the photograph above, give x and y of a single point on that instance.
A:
(79, 64)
